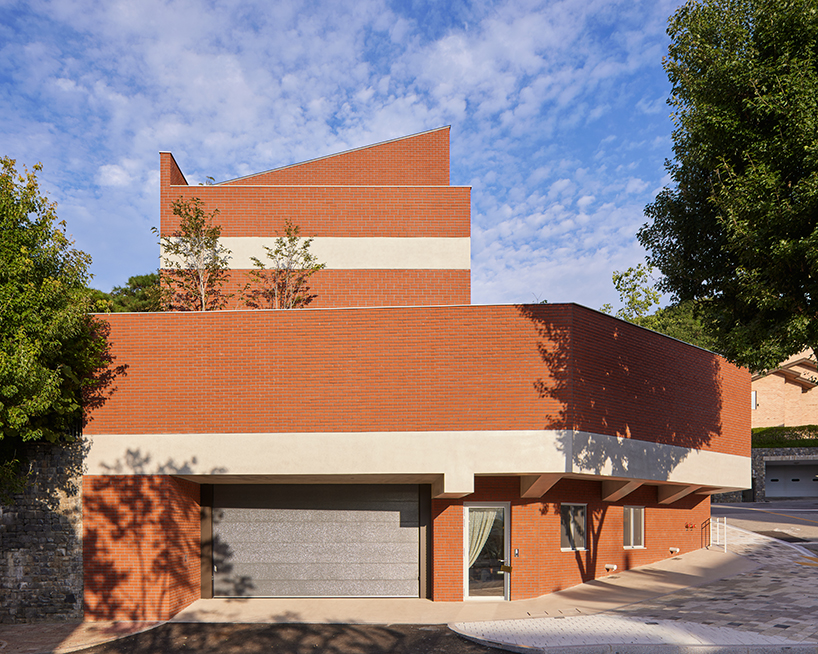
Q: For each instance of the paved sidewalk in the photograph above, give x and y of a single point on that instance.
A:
(770, 608)
(762, 596)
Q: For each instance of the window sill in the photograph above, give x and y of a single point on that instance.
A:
(634, 547)
(572, 549)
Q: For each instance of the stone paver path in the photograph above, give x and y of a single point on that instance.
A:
(775, 604)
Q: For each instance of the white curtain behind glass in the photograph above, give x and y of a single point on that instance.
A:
(480, 523)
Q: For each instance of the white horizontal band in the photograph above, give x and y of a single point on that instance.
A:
(458, 455)
(351, 253)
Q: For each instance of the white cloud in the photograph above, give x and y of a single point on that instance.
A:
(547, 102)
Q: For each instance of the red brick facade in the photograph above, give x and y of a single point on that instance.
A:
(141, 546)
(420, 369)
(399, 362)
(420, 160)
(397, 189)
(542, 567)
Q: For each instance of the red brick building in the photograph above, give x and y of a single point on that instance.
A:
(394, 440)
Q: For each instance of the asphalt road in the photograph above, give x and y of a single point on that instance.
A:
(794, 521)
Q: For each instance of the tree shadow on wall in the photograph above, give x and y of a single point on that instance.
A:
(227, 581)
(101, 384)
(586, 559)
(142, 539)
(610, 378)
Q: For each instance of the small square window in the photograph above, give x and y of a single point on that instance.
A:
(572, 523)
(633, 532)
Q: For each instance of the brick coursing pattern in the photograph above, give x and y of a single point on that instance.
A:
(535, 530)
(420, 369)
(368, 288)
(398, 189)
(40, 540)
(417, 160)
(142, 549)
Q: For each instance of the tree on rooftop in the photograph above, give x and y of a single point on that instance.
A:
(285, 284)
(195, 261)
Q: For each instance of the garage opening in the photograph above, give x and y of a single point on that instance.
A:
(318, 540)
(791, 479)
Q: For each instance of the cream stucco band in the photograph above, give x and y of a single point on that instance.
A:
(449, 459)
(353, 253)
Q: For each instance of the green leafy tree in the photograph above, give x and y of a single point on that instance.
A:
(638, 295)
(737, 231)
(636, 292)
(54, 357)
(141, 293)
(194, 259)
(285, 284)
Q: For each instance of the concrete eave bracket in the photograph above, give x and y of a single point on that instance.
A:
(670, 494)
(613, 491)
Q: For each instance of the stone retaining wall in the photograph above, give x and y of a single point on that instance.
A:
(41, 540)
(760, 456)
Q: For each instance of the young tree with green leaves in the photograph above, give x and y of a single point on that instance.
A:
(195, 261)
(737, 231)
(54, 357)
(284, 285)
(636, 292)
(639, 295)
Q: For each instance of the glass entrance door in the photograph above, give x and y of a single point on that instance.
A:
(486, 544)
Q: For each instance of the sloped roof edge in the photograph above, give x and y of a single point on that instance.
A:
(335, 154)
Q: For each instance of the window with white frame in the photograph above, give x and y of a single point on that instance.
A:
(633, 523)
(572, 527)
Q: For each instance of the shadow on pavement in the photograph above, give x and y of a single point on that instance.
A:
(292, 639)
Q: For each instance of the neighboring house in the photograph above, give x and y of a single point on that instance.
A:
(783, 397)
(394, 440)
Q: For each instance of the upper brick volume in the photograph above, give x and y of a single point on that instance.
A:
(386, 222)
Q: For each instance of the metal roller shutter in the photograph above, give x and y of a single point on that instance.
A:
(315, 541)
(792, 480)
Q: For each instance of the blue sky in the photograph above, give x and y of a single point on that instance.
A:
(558, 115)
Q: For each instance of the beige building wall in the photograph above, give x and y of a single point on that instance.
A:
(788, 395)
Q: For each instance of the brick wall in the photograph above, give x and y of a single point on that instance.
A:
(141, 546)
(367, 288)
(418, 368)
(636, 384)
(419, 160)
(535, 530)
(396, 189)
(783, 403)
(443, 211)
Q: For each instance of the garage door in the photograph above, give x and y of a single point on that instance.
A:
(791, 480)
(316, 541)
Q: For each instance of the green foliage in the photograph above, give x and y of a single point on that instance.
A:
(682, 322)
(141, 293)
(285, 284)
(195, 261)
(639, 295)
(636, 292)
(53, 355)
(738, 229)
(803, 436)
